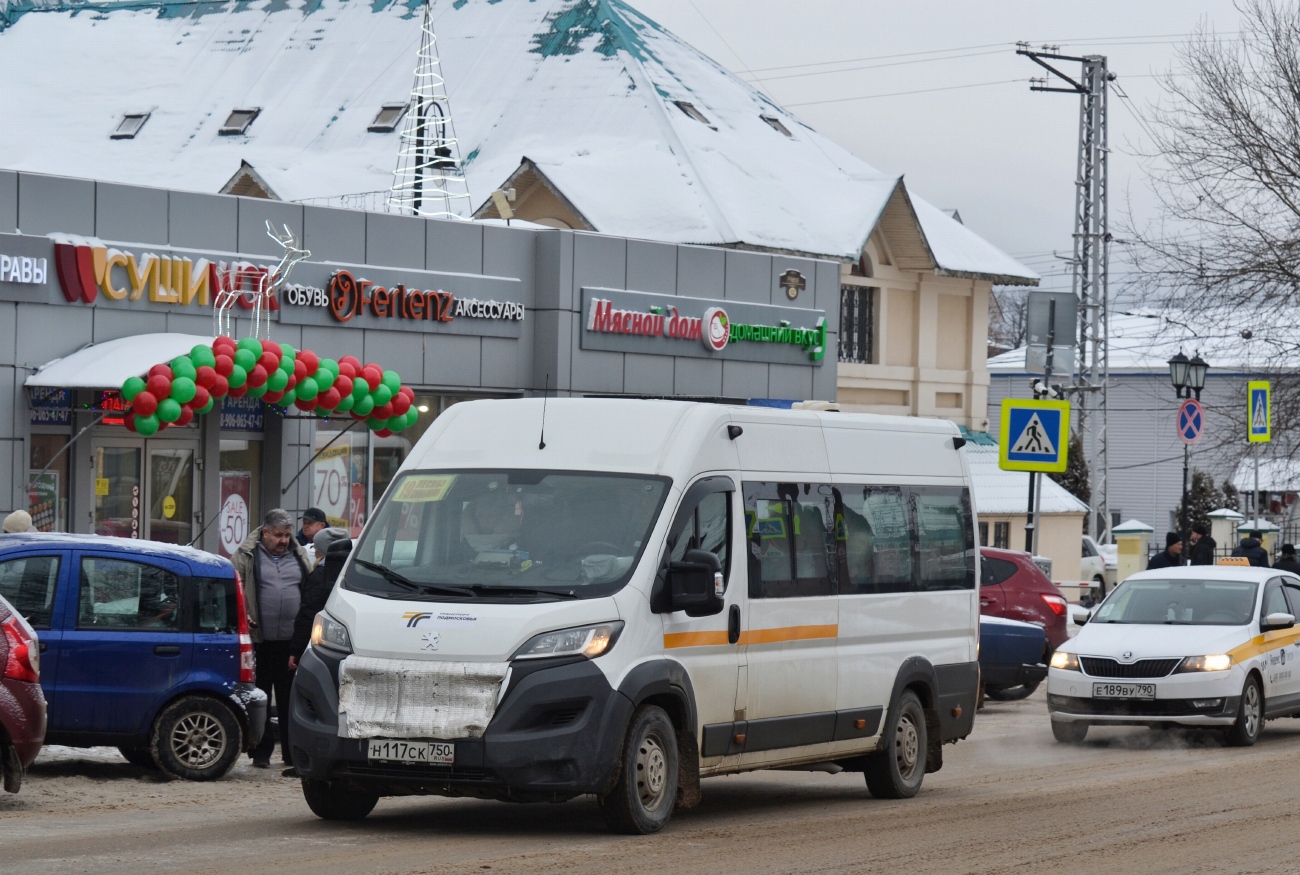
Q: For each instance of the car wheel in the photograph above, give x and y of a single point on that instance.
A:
(1069, 731)
(897, 769)
(1011, 694)
(1250, 715)
(196, 738)
(643, 799)
(139, 756)
(331, 802)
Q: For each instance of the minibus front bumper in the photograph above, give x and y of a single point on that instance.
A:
(556, 734)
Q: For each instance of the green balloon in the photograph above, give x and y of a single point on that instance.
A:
(345, 406)
(183, 390)
(324, 379)
(253, 345)
(132, 387)
(392, 380)
(286, 364)
(288, 398)
(288, 352)
(363, 406)
(382, 394)
(376, 424)
(257, 391)
(360, 388)
(238, 376)
(321, 412)
(207, 407)
(307, 389)
(412, 417)
(147, 425)
(331, 366)
(169, 410)
(203, 355)
(277, 381)
(182, 367)
(245, 358)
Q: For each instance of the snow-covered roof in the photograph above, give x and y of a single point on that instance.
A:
(108, 364)
(588, 90)
(1275, 475)
(1006, 492)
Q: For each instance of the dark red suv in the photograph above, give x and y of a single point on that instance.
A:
(1012, 586)
(22, 706)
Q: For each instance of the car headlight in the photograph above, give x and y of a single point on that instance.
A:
(1065, 661)
(588, 641)
(1214, 662)
(330, 634)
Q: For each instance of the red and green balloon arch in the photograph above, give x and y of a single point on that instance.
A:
(174, 392)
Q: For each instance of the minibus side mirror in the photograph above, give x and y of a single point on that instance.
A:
(1081, 618)
(695, 584)
(1276, 621)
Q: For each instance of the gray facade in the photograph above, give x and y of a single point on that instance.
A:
(544, 272)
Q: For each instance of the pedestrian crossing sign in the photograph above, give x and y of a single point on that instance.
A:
(1034, 435)
(1259, 412)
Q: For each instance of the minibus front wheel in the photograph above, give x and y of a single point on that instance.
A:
(645, 794)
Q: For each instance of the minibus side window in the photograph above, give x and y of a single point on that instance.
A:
(787, 527)
(945, 540)
(877, 546)
(707, 528)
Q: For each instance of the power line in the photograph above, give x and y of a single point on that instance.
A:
(900, 93)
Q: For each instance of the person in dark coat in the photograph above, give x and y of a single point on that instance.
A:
(1171, 556)
(1203, 546)
(1287, 561)
(1251, 549)
(320, 583)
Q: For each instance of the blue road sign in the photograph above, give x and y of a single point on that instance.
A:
(1034, 435)
(1191, 421)
(1259, 412)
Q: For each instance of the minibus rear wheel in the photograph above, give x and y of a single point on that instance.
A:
(897, 769)
(642, 800)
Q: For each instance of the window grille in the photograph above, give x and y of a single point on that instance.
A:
(857, 324)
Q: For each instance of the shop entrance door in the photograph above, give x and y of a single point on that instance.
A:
(171, 490)
(145, 488)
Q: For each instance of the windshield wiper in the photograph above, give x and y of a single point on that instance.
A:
(484, 589)
(400, 580)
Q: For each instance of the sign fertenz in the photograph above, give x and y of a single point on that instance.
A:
(349, 297)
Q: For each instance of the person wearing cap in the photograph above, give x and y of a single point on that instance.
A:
(18, 522)
(1171, 556)
(313, 520)
(1251, 549)
(1203, 546)
(1287, 561)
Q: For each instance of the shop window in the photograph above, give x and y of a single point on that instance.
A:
(239, 505)
(238, 121)
(341, 476)
(857, 324)
(129, 126)
(47, 490)
(775, 124)
(388, 118)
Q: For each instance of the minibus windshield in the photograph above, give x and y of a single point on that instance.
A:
(1180, 602)
(506, 534)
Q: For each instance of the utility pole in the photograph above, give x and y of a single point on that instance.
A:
(1091, 262)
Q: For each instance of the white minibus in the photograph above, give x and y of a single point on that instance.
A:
(620, 597)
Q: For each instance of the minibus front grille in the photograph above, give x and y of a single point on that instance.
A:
(1104, 667)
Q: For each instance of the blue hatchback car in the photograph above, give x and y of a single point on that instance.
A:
(144, 646)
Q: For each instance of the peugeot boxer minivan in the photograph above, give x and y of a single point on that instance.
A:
(620, 597)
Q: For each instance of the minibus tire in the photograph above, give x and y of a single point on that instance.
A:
(645, 794)
(897, 769)
(1250, 715)
(196, 738)
(1069, 731)
(331, 802)
(138, 756)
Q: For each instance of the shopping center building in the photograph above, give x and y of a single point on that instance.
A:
(99, 281)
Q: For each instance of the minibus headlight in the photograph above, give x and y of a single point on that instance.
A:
(1214, 662)
(329, 634)
(1065, 661)
(588, 641)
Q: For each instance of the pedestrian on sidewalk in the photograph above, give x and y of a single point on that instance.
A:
(1171, 556)
(274, 567)
(1203, 546)
(1287, 561)
(1251, 549)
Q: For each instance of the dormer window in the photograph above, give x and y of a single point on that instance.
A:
(238, 121)
(690, 110)
(129, 126)
(388, 118)
(775, 124)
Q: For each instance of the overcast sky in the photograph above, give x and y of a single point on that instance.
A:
(968, 137)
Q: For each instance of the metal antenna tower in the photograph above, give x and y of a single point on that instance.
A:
(430, 178)
(1091, 263)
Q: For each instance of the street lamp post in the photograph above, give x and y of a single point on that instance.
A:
(1188, 377)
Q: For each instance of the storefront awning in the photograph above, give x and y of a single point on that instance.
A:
(107, 365)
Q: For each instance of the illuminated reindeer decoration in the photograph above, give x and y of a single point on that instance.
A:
(269, 284)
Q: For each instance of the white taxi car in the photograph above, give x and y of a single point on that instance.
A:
(1194, 646)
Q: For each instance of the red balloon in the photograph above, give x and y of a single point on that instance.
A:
(219, 388)
(270, 361)
(224, 343)
(346, 370)
(330, 398)
(400, 404)
(300, 371)
(350, 360)
(272, 397)
(383, 432)
(161, 370)
(205, 376)
(162, 426)
(408, 392)
(344, 385)
(145, 403)
(273, 347)
(201, 397)
(240, 392)
(304, 404)
(129, 421)
(384, 411)
(159, 386)
(309, 359)
(356, 415)
(373, 375)
(187, 415)
(225, 364)
(257, 376)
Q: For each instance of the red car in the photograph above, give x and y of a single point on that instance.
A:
(22, 706)
(1012, 586)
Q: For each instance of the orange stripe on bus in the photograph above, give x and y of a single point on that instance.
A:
(694, 639)
(754, 636)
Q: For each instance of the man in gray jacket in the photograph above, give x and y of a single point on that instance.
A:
(273, 567)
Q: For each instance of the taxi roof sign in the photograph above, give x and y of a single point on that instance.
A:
(1034, 435)
(1259, 412)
